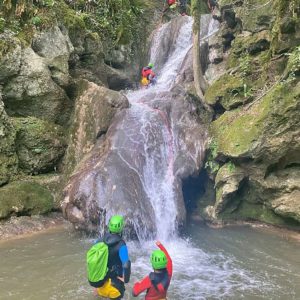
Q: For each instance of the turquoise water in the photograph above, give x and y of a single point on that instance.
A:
(230, 263)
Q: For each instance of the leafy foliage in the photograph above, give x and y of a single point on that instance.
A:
(113, 19)
(211, 164)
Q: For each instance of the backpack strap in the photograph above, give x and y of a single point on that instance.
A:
(159, 278)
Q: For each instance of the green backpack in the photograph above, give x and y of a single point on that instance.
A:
(97, 259)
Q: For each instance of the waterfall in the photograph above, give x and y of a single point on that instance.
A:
(149, 148)
(155, 128)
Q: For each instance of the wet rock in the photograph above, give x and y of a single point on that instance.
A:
(94, 110)
(24, 198)
(112, 178)
(40, 145)
(117, 80)
(17, 226)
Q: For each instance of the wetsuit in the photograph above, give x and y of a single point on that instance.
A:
(118, 266)
(156, 283)
(148, 73)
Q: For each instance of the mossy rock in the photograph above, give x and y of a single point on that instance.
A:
(8, 157)
(256, 15)
(10, 56)
(227, 90)
(39, 144)
(239, 132)
(286, 28)
(24, 198)
(248, 43)
(248, 211)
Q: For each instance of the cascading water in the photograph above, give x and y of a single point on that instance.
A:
(156, 130)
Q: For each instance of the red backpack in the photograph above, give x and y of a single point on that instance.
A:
(171, 2)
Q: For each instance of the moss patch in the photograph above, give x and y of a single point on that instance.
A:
(253, 212)
(228, 90)
(236, 132)
(40, 144)
(24, 198)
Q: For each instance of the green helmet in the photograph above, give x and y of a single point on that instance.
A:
(116, 224)
(150, 65)
(158, 259)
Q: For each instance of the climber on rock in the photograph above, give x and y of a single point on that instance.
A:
(148, 76)
(172, 4)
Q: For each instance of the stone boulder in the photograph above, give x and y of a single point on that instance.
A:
(40, 145)
(55, 46)
(33, 92)
(95, 108)
(8, 157)
(154, 137)
(10, 56)
(24, 198)
(267, 131)
(263, 144)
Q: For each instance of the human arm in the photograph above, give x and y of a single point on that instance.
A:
(141, 286)
(170, 263)
(124, 257)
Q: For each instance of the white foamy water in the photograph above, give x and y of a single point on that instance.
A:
(156, 131)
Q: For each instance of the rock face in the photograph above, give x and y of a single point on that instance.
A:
(138, 168)
(39, 145)
(56, 47)
(254, 150)
(43, 62)
(10, 56)
(24, 198)
(8, 158)
(116, 176)
(94, 110)
(34, 93)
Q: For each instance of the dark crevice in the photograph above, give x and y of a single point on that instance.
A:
(193, 188)
(219, 110)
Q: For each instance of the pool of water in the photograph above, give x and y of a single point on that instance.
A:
(229, 263)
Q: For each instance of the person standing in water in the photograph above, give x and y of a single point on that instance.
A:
(156, 284)
(119, 265)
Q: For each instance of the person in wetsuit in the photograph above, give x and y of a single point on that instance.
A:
(119, 265)
(148, 76)
(156, 284)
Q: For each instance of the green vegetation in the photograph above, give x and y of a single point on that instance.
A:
(114, 20)
(211, 163)
(24, 198)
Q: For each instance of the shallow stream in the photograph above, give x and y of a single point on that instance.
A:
(229, 263)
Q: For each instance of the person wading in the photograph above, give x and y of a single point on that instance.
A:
(156, 284)
(110, 254)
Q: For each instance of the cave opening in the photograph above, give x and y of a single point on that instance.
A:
(197, 192)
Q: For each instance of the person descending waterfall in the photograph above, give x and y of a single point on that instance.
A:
(156, 283)
(172, 4)
(148, 76)
(115, 262)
